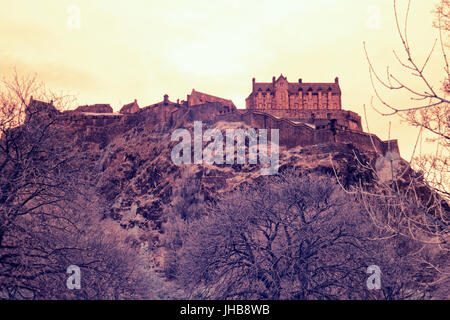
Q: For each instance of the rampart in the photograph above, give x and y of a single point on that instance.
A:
(326, 126)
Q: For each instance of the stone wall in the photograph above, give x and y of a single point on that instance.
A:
(294, 134)
(352, 119)
(327, 126)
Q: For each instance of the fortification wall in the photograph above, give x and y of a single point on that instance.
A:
(157, 114)
(323, 129)
(352, 119)
(293, 134)
(366, 141)
(204, 112)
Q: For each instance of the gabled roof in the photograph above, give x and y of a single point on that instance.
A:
(263, 86)
(132, 107)
(209, 98)
(294, 87)
(95, 108)
(314, 87)
(36, 106)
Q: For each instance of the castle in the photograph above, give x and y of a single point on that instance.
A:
(305, 114)
(281, 94)
(302, 102)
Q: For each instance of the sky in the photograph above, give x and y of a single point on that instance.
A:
(113, 52)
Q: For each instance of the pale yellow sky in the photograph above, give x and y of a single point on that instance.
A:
(143, 49)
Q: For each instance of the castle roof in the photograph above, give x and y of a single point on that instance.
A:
(165, 102)
(38, 106)
(200, 97)
(132, 107)
(95, 108)
(305, 87)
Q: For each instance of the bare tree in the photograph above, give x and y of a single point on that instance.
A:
(187, 204)
(50, 213)
(428, 103)
(413, 199)
(289, 237)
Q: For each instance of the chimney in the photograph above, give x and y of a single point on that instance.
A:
(178, 101)
(336, 80)
(253, 84)
(166, 98)
(300, 80)
(135, 100)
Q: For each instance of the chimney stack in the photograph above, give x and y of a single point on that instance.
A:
(300, 80)
(336, 80)
(253, 84)
(166, 98)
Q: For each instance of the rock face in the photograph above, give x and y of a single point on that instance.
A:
(131, 161)
(138, 178)
(96, 108)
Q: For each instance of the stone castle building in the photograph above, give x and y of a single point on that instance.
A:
(314, 103)
(281, 94)
(305, 114)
